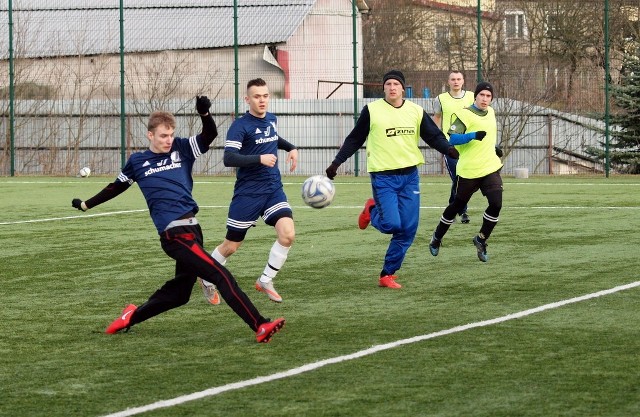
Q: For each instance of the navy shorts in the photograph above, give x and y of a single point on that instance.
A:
(245, 210)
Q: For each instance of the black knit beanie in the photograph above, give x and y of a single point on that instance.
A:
(395, 75)
(483, 86)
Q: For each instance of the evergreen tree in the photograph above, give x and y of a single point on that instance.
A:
(624, 144)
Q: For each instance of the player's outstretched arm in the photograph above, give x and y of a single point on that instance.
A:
(462, 138)
(110, 191)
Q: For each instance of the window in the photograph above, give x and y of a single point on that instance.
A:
(442, 38)
(553, 24)
(449, 38)
(514, 25)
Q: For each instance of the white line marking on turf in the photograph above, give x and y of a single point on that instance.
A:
(346, 181)
(81, 216)
(73, 217)
(374, 349)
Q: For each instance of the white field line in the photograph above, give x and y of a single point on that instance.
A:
(374, 349)
(337, 182)
(51, 219)
(115, 213)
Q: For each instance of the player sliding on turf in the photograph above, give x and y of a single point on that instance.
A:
(163, 173)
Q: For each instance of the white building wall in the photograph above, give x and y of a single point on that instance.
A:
(322, 49)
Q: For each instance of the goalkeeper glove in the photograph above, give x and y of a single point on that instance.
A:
(203, 104)
(79, 204)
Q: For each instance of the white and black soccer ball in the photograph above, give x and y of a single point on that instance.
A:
(85, 172)
(318, 191)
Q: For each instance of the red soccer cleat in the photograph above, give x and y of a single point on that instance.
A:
(122, 322)
(268, 329)
(365, 216)
(389, 281)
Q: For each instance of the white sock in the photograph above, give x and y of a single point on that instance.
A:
(218, 257)
(277, 257)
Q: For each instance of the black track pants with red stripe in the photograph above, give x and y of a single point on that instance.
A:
(185, 245)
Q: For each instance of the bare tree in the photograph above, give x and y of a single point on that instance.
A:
(168, 80)
(425, 39)
(565, 38)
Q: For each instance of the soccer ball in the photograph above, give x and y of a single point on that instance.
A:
(318, 191)
(85, 172)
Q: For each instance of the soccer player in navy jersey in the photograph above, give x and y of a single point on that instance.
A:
(252, 147)
(163, 173)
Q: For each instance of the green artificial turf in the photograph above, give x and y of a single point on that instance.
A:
(66, 275)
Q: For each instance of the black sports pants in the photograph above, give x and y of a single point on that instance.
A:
(185, 245)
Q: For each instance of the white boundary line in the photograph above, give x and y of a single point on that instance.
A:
(374, 349)
(309, 208)
(73, 217)
(338, 181)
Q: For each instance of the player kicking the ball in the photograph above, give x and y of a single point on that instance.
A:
(252, 146)
(163, 173)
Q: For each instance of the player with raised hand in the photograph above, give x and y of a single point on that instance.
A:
(164, 175)
(252, 147)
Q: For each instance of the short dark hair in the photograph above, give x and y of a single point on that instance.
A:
(257, 82)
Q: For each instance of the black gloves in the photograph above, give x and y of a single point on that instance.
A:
(480, 135)
(77, 203)
(332, 171)
(499, 152)
(453, 153)
(203, 104)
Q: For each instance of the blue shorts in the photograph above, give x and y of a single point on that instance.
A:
(245, 210)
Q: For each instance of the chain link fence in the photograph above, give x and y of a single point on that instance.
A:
(80, 79)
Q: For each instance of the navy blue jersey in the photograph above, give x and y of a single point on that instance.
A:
(250, 135)
(165, 179)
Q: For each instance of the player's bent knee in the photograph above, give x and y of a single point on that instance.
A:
(286, 241)
(495, 203)
(287, 237)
